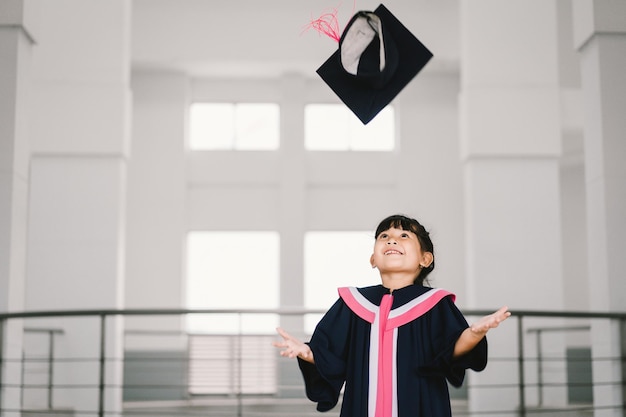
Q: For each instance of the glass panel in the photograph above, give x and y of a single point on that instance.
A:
(232, 270)
(333, 127)
(212, 126)
(377, 135)
(257, 126)
(326, 127)
(236, 126)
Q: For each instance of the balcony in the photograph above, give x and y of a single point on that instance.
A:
(139, 363)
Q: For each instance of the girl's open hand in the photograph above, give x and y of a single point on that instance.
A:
(292, 347)
(491, 321)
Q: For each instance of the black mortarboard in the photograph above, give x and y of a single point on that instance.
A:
(377, 57)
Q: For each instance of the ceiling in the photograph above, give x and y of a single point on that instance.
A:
(261, 39)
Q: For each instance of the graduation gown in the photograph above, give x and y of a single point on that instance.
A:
(393, 351)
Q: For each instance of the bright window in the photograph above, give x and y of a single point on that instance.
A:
(229, 270)
(333, 127)
(234, 126)
(332, 260)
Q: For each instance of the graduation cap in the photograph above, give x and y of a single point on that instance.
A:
(376, 59)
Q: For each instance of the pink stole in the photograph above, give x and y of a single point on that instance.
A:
(383, 401)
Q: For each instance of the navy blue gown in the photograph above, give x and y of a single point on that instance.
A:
(393, 352)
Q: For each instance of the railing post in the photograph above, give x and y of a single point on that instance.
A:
(50, 366)
(520, 350)
(239, 367)
(1, 361)
(539, 369)
(622, 350)
(102, 365)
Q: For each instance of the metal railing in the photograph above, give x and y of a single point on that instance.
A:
(238, 373)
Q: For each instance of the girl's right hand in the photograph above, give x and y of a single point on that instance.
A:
(292, 347)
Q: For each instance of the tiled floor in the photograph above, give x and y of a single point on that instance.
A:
(272, 407)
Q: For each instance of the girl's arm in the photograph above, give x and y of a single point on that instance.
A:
(293, 347)
(475, 333)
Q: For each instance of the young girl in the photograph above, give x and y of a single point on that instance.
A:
(393, 345)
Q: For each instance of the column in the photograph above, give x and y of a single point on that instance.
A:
(510, 144)
(17, 31)
(79, 121)
(600, 36)
(157, 194)
(155, 235)
(292, 220)
(429, 175)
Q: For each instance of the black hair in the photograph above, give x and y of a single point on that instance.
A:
(399, 221)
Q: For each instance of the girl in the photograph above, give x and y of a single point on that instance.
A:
(393, 345)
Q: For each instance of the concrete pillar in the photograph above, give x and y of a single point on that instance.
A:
(429, 175)
(156, 194)
(80, 119)
(17, 33)
(292, 223)
(600, 36)
(510, 136)
(156, 234)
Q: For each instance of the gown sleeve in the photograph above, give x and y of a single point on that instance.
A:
(448, 317)
(330, 344)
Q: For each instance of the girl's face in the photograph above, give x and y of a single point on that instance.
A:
(399, 251)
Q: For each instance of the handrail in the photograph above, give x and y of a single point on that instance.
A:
(156, 312)
(102, 315)
(289, 311)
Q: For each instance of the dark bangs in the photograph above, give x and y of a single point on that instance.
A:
(398, 221)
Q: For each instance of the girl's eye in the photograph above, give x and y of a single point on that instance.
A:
(405, 235)
(382, 236)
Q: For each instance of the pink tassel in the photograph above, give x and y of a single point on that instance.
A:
(328, 24)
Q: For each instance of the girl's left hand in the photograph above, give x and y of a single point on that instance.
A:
(491, 321)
